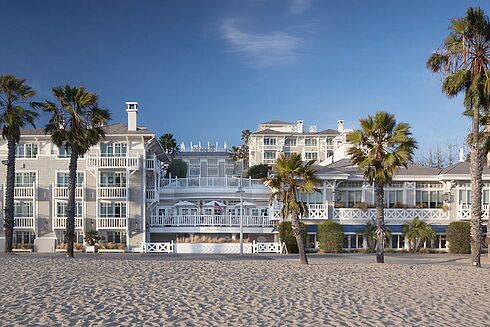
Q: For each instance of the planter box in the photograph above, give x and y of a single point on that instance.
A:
(90, 248)
(22, 250)
(64, 250)
(111, 251)
(212, 248)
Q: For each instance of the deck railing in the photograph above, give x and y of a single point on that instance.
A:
(464, 211)
(60, 222)
(315, 211)
(62, 192)
(111, 223)
(209, 220)
(112, 192)
(113, 162)
(223, 182)
(391, 214)
(24, 222)
(24, 191)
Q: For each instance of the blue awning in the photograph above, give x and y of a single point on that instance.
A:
(439, 229)
(353, 228)
(397, 229)
(312, 228)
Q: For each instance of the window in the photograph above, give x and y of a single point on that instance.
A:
(312, 198)
(213, 167)
(116, 237)
(194, 167)
(310, 141)
(329, 140)
(113, 149)
(113, 179)
(25, 179)
(270, 155)
(62, 206)
(113, 210)
(311, 155)
(23, 209)
(62, 179)
(290, 142)
(393, 199)
(429, 199)
(24, 237)
(64, 152)
(397, 241)
(26, 150)
(353, 241)
(348, 198)
(269, 141)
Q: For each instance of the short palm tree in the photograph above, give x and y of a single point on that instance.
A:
(76, 123)
(169, 144)
(418, 231)
(379, 148)
(463, 60)
(291, 176)
(369, 233)
(14, 114)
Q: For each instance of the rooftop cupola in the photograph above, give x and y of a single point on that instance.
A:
(300, 126)
(340, 126)
(132, 110)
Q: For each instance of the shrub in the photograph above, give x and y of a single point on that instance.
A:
(458, 236)
(330, 237)
(286, 235)
(424, 250)
(177, 168)
(91, 237)
(257, 171)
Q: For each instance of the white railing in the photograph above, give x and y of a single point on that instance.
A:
(24, 222)
(62, 192)
(210, 182)
(267, 247)
(112, 192)
(113, 162)
(24, 191)
(60, 222)
(315, 211)
(390, 214)
(150, 164)
(164, 247)
(151, 195)
(111, 223)
(209, 220)
(464, 211)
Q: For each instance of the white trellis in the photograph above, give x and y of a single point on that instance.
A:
(267, 247)
(163, 247)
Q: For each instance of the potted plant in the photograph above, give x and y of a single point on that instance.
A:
(91, 238)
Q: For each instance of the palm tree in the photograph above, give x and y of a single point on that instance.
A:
(236, 155)
(369, 233)
(418, 231)
(245, 146)
(169, 144)
(245, 136)
(380, 147)
(14, 114)
(76, 123)
(463, 60)
(291, 176)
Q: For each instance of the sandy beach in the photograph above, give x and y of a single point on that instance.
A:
(149, 290)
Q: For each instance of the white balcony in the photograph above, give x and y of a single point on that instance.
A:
(112, 192)
(24, 222)
(400, 215)
(62, 192)
(315, 211)
(211, 182)
(209, 220)
(60, 222)
(150, 164)
(24, 191)
(111, 223)
(113, 162)
(464, 211)
(151, 195)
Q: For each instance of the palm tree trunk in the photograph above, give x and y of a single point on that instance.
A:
(9, 197)
(70, 217)
(476, 168)
(380, 224)
(299, 238)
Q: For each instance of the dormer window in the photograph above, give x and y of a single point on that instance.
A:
(26, 150)
(269, 141)
(113, 149)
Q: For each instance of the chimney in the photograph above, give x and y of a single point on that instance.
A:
(132, 110)
(300, 126)
(340, 126)
(461, 155)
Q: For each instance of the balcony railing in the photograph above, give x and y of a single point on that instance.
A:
(151, 195)
(464, 211)
(209, 221)
(62, 192)
(315, 211)
(111, 223)
(113, 162)
(210, 182)
(24, 222)
(390, 214)
(150, 164)
(60, 222)
(112, 192)
(24, 191)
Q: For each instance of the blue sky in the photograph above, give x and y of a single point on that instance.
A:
(205, 70)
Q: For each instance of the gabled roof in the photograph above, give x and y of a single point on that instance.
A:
(117, 128)
(270, 131)
(461, 168)
(277, 122)
(418, 170)
(328, 131)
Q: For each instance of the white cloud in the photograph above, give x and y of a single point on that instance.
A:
(297, 7)
(263, 50)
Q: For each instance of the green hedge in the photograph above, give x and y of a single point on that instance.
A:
(177, 168)
(257, 171)
(330, 237)
(458, 236)
(286, 236)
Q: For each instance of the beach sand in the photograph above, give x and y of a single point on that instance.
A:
(149, 290)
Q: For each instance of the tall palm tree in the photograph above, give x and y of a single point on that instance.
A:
(418, 231)
(246, 136)
(14, 114)
(76, 123)
(245, 146)
(463, 60)
(169, 144)
(380, 147)
(291, 176)
(236, 155)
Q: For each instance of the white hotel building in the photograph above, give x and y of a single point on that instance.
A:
(124, 194)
